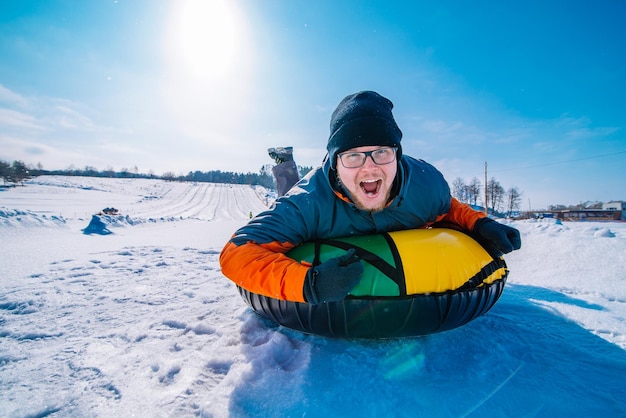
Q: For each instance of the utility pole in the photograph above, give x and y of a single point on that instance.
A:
(486, 202)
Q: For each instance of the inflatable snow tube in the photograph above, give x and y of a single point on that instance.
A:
(415, 282)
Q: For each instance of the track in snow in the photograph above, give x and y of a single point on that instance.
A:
(139, 198)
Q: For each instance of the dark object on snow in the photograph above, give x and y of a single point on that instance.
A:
(110, 211)
(286, 170)
(96, 226)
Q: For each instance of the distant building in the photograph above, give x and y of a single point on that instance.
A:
(618, 206)
(621, 206)
(611, 211)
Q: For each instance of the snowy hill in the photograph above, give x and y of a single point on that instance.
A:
(142, 199)
(141, 322)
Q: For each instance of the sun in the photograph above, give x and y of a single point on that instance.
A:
(206, 38)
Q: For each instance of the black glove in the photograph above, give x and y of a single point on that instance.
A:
(332, 280)
(497, 238)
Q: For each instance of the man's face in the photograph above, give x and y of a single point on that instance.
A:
(370, 184)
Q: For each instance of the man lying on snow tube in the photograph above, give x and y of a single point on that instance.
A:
(366, 186)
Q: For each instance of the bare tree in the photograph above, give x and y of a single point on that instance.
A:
(169, 176)
(513, 200)
(459, 190)
(466, 193)
(473, 191)
(20, 172)
(495, 195)
(14, 173)
(5, 171)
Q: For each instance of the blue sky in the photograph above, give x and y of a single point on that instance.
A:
(535, 89)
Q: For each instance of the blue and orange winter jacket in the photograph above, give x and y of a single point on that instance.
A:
(316, 208)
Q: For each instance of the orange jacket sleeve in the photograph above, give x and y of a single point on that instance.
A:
(265, 269)
(460, 214)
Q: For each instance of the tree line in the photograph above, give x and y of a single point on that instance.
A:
(17, 172)
(14, 173)
(498, 200)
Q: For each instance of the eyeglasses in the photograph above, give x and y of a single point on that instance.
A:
(380, 156)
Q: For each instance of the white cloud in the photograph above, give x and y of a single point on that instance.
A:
(10, 118)
(62, 116)
(12, 98)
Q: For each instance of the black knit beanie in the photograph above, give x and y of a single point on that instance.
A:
(362, 119)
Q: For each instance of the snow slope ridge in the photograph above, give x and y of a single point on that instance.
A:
(24, 218)
(138, 200)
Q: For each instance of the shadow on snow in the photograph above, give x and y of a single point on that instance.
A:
(520, 359)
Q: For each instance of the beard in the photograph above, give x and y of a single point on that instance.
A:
(377, 208)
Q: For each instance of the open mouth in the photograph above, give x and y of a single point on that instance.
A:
(370, 187)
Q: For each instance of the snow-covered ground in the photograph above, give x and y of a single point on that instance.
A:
(141, 322)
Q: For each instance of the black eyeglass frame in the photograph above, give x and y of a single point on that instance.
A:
(368, 154)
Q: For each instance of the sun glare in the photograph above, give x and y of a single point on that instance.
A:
(207, 38)
(208, 85)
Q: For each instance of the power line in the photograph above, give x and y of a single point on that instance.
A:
(561, 162)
